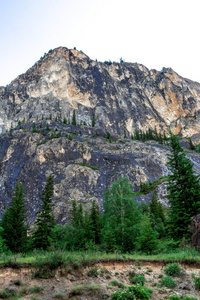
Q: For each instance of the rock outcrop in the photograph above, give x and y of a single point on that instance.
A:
(83, 163)
(104, 97)
(121, 96)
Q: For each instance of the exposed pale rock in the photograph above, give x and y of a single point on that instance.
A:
(121, 95)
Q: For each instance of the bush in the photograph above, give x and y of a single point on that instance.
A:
(132, 292)
(174, 297)
(173, 269)
(123, 295)
(45, 267)
(196, 282)
(168, 282)
(137, 279)
(7, 293)
(93, 272)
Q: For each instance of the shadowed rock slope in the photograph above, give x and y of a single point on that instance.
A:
(82, 161)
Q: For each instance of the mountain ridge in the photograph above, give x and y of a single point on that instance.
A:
(110, 102)
(69, 79)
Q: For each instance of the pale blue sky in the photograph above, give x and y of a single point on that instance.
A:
(156, 33)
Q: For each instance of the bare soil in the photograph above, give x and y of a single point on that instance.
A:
(102, 282)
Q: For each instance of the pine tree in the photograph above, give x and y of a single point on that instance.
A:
(157, 215)
(45, 223)
(34, 127)
(95, 222)
(47, 127)
(64, 121)
(109, 238)
(81, 232)
(156, 210)
(3, 247)
(184, 191)
(93, 120)
(148, 236)
(122, 214)
(14, 222)
(74, 118)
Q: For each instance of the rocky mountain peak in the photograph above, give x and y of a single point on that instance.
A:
(110, 101)
(122, 96)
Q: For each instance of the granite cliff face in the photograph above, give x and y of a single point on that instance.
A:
(122, 96)
(119, 98)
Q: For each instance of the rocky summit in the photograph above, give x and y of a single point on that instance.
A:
(75, 118)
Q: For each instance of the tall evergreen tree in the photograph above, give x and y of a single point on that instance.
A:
(3, 247)
(156, 210)
(157, 215)
(14, 222)
(95, 222)
(81, 230)
(184, 191)
(43, 234)
(122, 214)
(93, 120)
(147, 241)
(74, 118)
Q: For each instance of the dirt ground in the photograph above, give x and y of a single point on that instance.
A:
(94, 282)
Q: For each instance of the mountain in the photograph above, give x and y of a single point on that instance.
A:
(109, 102)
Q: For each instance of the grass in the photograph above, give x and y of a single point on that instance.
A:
(118, 284)
(59, 295)
(78, 258)
(88, 289)
(44, 267)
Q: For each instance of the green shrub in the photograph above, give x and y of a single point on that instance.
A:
(196, 282)
(93, 272)
(173, 269)
(123, 295)
(44, 267)
(137, 279)
(174, 297)
(132, 292)
(168, 282)
(7, 294)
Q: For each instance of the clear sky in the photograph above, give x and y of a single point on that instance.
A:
(155, 33)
